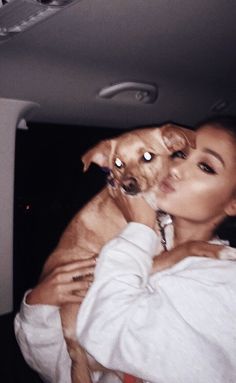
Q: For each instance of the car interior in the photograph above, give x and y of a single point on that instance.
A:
(72, 73)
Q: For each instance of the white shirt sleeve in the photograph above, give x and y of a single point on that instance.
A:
(179, 329)
(39, 334)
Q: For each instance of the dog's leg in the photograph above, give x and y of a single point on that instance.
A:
(80, 368)
(80, 372)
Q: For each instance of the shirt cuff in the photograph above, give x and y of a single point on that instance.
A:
(40, 314)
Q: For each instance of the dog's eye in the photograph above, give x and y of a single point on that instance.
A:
(118, 163)
(179, 154)
(147, 156)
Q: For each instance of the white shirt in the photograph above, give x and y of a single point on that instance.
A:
(176, 326)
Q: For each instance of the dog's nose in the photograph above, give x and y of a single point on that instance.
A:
(130, 185)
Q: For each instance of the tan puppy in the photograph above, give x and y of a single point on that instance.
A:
(137, 161)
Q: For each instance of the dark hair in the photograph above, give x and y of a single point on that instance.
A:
(227, 123)
(227, 228)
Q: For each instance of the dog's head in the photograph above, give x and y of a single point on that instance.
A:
(138, 160)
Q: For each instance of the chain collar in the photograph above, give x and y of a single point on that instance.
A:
(162, 222)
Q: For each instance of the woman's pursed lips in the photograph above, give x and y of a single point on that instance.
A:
(166, 186)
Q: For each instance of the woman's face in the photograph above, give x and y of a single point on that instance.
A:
(202, 183)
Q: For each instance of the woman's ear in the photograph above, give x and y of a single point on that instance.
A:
(230, 209)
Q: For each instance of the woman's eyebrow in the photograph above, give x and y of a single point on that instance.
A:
(215, 154)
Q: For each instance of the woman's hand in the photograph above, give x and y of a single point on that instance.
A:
(65, 284)
(134, 208)
(191, 248)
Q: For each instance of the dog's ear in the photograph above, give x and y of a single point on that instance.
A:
(176, 137)
(100, 154)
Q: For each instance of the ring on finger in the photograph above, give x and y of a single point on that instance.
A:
(77, 278)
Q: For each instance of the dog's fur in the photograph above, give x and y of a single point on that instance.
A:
(100, 220)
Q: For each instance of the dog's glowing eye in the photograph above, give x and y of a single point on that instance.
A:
(118, 163)
(147, 156)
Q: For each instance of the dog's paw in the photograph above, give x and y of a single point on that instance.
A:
(227, 253)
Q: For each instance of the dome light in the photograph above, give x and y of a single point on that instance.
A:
(18, 15)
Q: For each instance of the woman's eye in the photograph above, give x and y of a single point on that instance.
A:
(147, 156)
(179, 154)
(206, 168)
(118, 163)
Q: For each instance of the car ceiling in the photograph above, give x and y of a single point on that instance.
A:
(185, 47)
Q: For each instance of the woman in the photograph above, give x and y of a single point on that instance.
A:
(143, 324)
(177, 325)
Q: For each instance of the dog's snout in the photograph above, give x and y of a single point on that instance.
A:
(130, 185)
